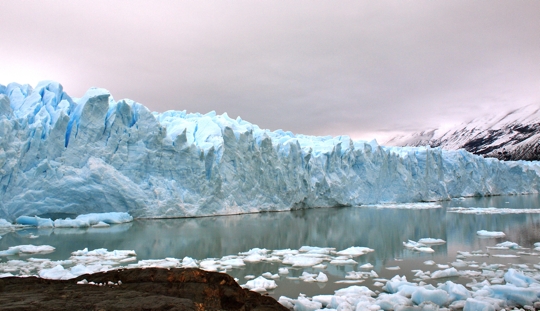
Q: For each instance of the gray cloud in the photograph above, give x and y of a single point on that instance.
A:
(361, 68)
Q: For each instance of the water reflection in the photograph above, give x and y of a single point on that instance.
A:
(384, 230)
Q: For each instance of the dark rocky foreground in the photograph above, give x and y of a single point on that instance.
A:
(140, 289)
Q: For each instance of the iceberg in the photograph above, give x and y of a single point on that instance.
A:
(59, 154)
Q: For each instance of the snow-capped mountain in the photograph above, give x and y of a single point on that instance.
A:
(95, 155)
(511, 136)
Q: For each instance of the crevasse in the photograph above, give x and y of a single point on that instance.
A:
(93, 154)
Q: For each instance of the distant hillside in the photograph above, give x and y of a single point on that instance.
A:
(511, 136)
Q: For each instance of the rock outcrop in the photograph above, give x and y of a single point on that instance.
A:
(134, 289)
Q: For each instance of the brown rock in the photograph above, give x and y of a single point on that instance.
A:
(140, 289)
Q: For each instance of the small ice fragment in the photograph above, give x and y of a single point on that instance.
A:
(283, 271)
(249, 277)
(431, 241)
(491, 234)
(355, 251)
(429, 262)
(366, 266)
(393, 268)
(444, 273)
(440, 266)
(302, 261)
(261, 282)
(349, 281)
(342, 261)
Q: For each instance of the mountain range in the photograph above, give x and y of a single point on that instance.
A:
(514, 135)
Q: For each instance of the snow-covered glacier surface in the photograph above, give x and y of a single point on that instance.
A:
(93, 154)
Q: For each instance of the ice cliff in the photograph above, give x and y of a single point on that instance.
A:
(87, 155)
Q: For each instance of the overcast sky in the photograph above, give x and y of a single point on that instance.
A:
(368, 69)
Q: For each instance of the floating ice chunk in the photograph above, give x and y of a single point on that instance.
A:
(316, 250)
(440, 266)
(342, 261)
(429, 262)
(394, 285)
(259, 251)
(392, 301)
(353, 275)
(286, 302)
(424, 249)
(301, 261)
(472, 254)
(209, 265)
(319, 266)
(188, 262)
(450, 272)
(472, 304)
(366, 266)
(394, 268)
(491, 234)
(436, 296)
(413, 244)
(270, 275)
(260, 282)
(417, 205)
(506, 245)
(455, 291)
(355, 251)
(27, 249)
(505, 255)
(284, 252)
(509, 292)
(6, 275)
(234, 262)
(516, 278)
(254, 258)
(431, 241)
(323, 299)
(56, 273)
(35, 221)
(355, 291)
(492, 210)
(304, 304)
(417, 246)
(283, 271)
(349, 281)
(249, 277)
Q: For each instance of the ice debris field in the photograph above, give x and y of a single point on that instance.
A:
(463, 284)
(93, 155)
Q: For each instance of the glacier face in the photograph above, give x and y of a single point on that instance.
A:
(89, 155)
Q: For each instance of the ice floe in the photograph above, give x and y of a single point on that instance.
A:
(95, 220)
(415, 205)
(492, 210)
(490, 234)
(490, 285)
(27, 249)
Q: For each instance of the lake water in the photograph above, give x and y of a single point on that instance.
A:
(382, 229)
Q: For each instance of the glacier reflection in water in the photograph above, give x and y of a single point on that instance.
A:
(382, 229)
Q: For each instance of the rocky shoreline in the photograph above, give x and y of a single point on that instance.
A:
(134, 289)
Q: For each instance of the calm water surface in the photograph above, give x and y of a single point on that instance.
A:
(383, 230)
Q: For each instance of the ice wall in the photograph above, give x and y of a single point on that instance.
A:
(93, 154)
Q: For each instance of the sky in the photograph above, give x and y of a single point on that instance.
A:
(367, 69)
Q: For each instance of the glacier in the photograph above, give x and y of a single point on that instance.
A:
(94, 155)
